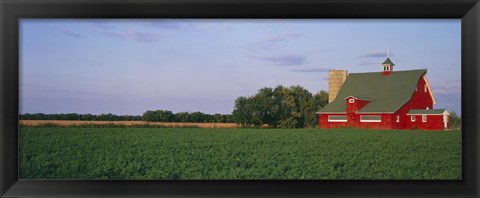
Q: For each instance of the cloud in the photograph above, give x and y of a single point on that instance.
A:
(312, 70)
(101, 23)
(368, 63)
(71, 34)
(270, 40)
(267, 41)
(447, 90)
(166, 24)
(149, 31)
(210, 26)
(376, 54)
(110, 28)
(283, 59)
(144, 37)
(186, 25)
(104, 26)
(457, 80)
(68, 33)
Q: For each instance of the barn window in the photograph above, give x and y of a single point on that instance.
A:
(398, 118)
(337, 118)
(370, 118)
(424, 118)
(425, 88)
(412, 118)
(351, 100)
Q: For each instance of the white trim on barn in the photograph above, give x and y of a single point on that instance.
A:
(330, 112)
(443, 113)
(370, 121)
(429, 88)
(371, 118)
(424, 114)
(330, 118)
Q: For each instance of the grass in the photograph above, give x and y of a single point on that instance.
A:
(199, 153)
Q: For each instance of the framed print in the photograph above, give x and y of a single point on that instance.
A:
(251, 98)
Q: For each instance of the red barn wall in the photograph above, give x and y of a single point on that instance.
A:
(354, 107)
(386, 122)
(323, 122)
(419, 100)
(434, 122)
(353, 120)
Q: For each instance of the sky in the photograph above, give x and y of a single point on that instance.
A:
(128, 66)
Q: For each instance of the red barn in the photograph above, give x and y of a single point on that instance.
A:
(384, 100)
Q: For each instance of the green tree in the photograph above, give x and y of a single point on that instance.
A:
(241, 111)
(197, 117)
(280, 107)
(455, 120)
(182, 117)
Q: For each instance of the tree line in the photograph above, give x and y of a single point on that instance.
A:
(280, 107)
(168, 116)
(149, 116)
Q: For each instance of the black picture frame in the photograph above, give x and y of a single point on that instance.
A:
(13, 10)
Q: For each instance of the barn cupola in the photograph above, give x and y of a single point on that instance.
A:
(387, 65)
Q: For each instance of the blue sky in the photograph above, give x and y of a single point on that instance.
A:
(130, 66)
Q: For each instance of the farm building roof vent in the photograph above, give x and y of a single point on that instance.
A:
(387, 65)
(388, 62)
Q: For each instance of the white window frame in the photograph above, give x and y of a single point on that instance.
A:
(398, 118)
(330, 120)
(362, 120)
(424, 117)
(412, 118)
(351, 100)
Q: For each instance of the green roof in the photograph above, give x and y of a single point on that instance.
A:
(426, 111)
(388, 93)
(388, 61)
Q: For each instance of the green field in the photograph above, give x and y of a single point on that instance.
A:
(195, 153)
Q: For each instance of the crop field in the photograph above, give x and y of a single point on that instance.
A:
(202, 153)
